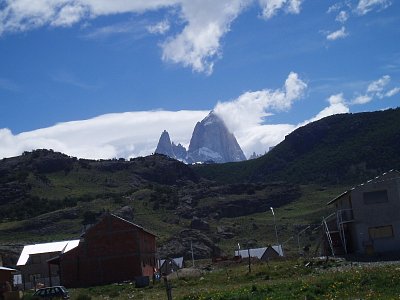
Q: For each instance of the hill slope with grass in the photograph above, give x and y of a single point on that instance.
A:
(340, 149)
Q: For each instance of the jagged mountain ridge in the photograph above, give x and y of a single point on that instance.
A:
(211, 142)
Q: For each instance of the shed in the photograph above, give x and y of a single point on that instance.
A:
(33, 265)
(169, 265)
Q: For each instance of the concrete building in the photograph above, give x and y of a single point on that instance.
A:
(366, 220)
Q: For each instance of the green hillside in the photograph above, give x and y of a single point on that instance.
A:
(340, 149)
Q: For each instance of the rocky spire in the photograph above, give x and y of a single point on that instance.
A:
(164, 145)
(212, 141)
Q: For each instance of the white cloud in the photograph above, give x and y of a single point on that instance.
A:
(377, 89)
(393, 92)
(159, 28)
(245, 115)
(342, 17)
(335, 7)
(377, 86)
(250, 109)
(362, 99)
(136, 133)
(107, 136)
(271, 7)
(337, 105)
(197, 46)
(339, 34)
(68, 15)
(365, 6)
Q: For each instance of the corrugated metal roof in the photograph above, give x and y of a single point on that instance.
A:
(379, 178)
(117, 217)
(63, 246)
(178, 261)
(278, 249)
(256, 252)
(6, 269)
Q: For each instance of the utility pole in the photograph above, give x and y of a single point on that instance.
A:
(276, 230)
(191, 249)
(248, 252)
(168, 288)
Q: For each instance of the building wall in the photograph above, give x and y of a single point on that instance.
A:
(111, 251)
(5, 276)
(374, 219)
(37, 267)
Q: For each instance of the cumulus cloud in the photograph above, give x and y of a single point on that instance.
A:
(342, 17)
(197, 45)
(337, 105)
(335, 7)
(251, 108)
(245, 115)
(365, 6)
(393, 92)
(338, 34)
(159, 28)
(271, 7)
(376, 89)
(362, 99)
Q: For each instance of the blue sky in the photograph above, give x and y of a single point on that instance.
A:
(102, 79)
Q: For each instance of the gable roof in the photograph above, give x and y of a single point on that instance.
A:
(390, 175)
(118, 218)
(7, 269)
(177, 261)
(63, 246)
(256, 252)
(278, 249)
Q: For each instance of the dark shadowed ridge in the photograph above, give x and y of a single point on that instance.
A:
(336, 149)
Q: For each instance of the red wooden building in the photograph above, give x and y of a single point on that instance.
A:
(113, 250)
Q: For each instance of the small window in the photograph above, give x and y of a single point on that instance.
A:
(376, 197)
(381, 232)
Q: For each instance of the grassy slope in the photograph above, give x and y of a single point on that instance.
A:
(346, 148)
(275, 280)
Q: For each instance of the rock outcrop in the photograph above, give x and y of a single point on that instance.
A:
(172, 150)
(164, 145)
(212, 141)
